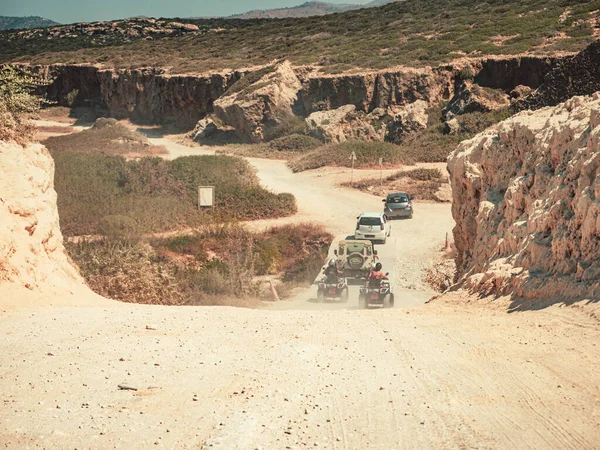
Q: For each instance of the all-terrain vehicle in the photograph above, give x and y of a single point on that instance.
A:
(376, 292)
(332, 287)
(356, 257)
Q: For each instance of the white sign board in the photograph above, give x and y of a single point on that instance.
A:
(353, 156)
(380, 161)
(206, 196)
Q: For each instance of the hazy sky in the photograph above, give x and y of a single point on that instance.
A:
(67, 11)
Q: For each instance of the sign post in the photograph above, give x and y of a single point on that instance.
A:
(381, 169)
(206, 196)
(353, 158)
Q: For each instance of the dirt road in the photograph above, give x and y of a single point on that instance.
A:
(447, 375)
(433, 377)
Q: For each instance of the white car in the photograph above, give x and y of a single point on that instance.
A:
(372, 226)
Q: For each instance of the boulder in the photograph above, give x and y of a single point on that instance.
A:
(451, 126)
(205, 129)
(404, 120)
(520, 91)
(526, 201)
(389, 124)
(262, 101)
(331, 126)
(473, 98)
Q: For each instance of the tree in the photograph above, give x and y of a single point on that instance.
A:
(18, 100)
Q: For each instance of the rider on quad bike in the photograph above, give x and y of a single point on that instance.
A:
(333, 284)
(332, 272)
(375, 276)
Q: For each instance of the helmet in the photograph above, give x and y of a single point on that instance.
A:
(378, 266)
(332, 262)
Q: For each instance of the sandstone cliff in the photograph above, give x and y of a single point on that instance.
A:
(526, 200)
(34, 267)
(154, 96)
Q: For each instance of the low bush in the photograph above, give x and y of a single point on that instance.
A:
(107, 137)
(170, 271)
(367, 155)
(294, 143)
(111, 196)
(421, 174)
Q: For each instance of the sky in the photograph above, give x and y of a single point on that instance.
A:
(69, 11)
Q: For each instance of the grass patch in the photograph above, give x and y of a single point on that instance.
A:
(217, 264)
(107, 137)
(367, 155)
(294, 143)
(111, 196)
(422, 183)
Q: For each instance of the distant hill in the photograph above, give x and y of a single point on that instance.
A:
(308, 9)
(18, 23)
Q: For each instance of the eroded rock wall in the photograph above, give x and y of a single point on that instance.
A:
(33, 262)
(153, 96)
(577, 75)
(145, 95)
(526, 201)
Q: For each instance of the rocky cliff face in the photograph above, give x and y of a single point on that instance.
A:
(145, 95)
(579, 75)
(33, 262)
(372, 90)
(153, 96)
(526, 200)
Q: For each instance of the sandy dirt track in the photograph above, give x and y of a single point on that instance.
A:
(446, 375)
(434, 377)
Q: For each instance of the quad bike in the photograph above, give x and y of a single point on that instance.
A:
(376, 293)
(332, 288)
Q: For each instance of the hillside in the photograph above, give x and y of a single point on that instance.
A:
(308, 9)
(19, 23)
(415, 33)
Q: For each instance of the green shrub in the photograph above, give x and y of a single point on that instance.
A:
(285, 124)
(420, 174)
(108, 195)
(294, 143)
(367, 154)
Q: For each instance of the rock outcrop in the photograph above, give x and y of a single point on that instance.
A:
(382, 124)
(474, 98)
(526, 200)
(33, 262)
(261, 104)
(401, 121)
(578, 75)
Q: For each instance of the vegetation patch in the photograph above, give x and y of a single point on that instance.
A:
(422, 183)
(111, 196)
(367, 155)
(412, 33)
(215, 264)
(107, 137)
